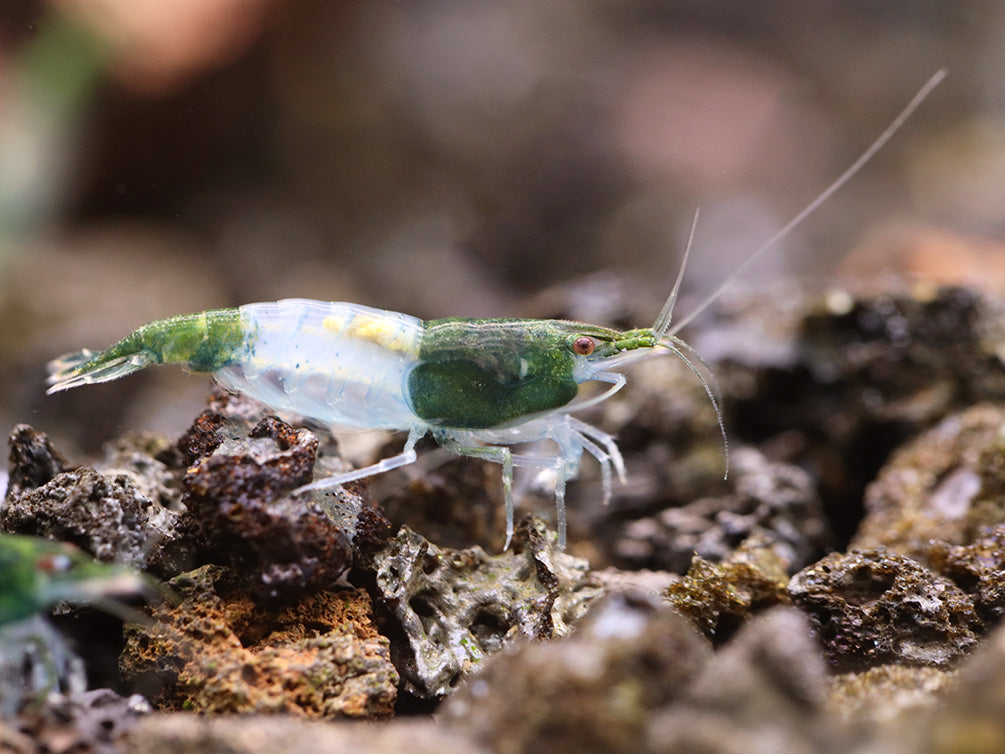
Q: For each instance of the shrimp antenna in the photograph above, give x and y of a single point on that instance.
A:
(708, 382)
(662, 323)
(809, 208)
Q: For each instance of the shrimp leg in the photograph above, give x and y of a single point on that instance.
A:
(508, 460)
(405, 457)
(497, 454)
(613, 455)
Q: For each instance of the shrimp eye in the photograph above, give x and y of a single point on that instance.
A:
(584, 346)
(53, 563)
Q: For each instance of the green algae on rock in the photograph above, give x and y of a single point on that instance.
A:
(593, 690)
(977, 568)
(854, 375)
(944, 485)
(775, 503)
(885, 692)
(719, 597)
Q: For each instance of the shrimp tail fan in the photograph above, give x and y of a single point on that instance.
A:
(87, 367)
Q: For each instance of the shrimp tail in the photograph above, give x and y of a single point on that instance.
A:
(204, 342)
(87, 367)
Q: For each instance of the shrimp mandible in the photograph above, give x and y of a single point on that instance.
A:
(477, 386)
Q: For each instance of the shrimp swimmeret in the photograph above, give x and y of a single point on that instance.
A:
(477, 386)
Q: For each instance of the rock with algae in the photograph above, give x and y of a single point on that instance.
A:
(775, 502)
(719, 597)
(456, 607)
(871, 607)
(977, 568)
(886, 692)
(453, 501)
(237, 493)
(968, 718)
(944, 485)
(243, 465)
(125, 509)
(217, 651)
(853, 375)
(32, 460)
(972, 717)
(763, 691)
(221, 494)
(636, 677)
(910, 356)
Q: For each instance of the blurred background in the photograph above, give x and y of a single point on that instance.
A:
(464, 157)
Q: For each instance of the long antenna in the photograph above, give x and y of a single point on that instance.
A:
(662, 323)
(823, 197)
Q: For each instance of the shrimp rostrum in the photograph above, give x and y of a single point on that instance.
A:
(478, 386)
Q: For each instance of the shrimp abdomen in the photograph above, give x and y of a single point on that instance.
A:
(337, 363)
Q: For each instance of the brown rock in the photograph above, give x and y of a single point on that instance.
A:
(217, 651)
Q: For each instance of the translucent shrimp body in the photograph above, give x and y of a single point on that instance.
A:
(337, 363)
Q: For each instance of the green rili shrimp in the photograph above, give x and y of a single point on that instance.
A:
(37, 573)
(478, 386)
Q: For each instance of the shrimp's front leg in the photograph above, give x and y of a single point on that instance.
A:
(560, 465)
(592, 438)
(573, 436)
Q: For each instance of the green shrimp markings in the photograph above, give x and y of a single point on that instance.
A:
(205, 342)
(473, 374)
(36, 573)
(482, 373)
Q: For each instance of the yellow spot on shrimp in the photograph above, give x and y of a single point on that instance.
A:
(384, 333)
(334, 323)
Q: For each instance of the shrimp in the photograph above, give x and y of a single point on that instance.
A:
(36, 573)
(478, 386)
